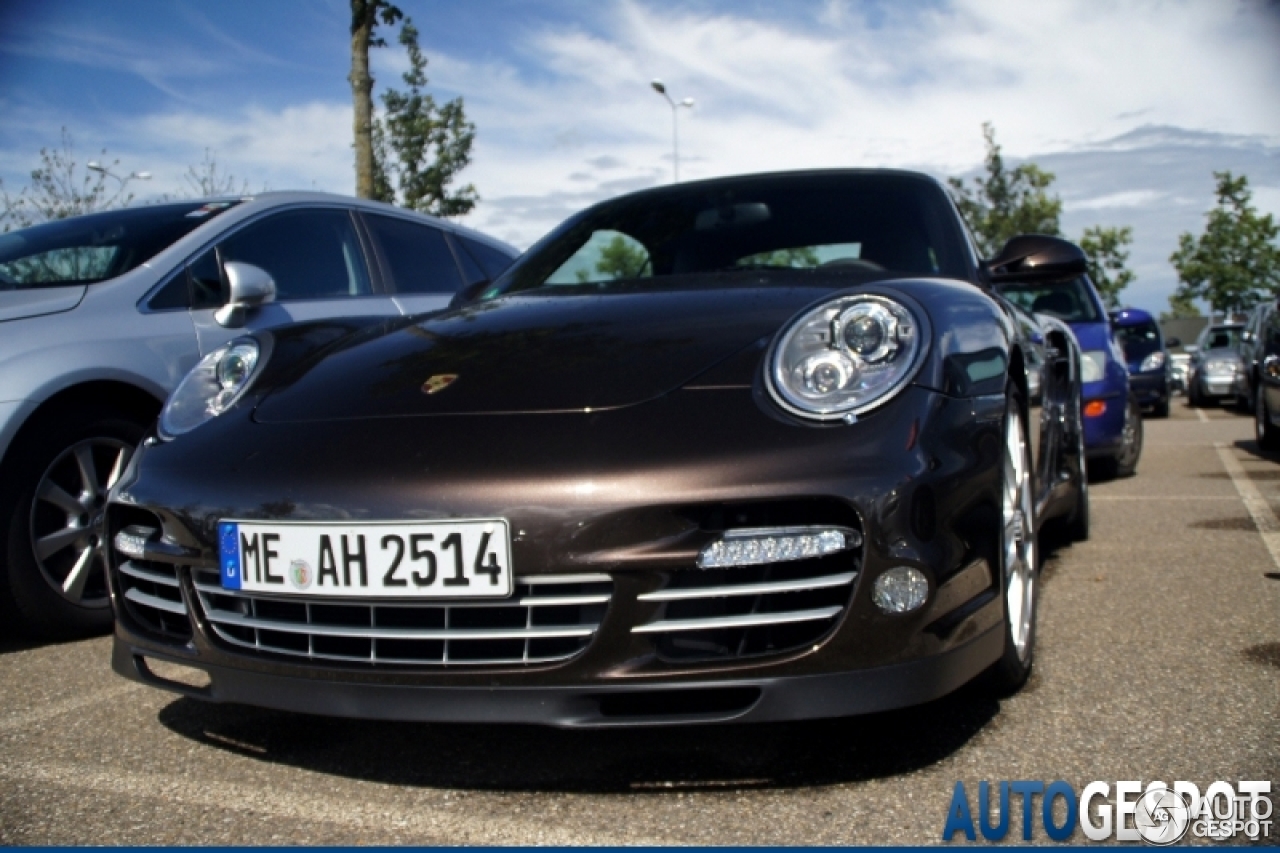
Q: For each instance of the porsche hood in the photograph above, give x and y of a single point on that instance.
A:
(535, 353)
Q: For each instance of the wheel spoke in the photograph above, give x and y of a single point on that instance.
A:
(88, 470)
(74, 585)
(51, 492)
(117, 469)
(47, 546)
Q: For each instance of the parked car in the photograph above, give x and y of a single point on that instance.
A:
(1113, 415)
(751, 448)
(1179, 367)
(1146, 357)
(102, 315)
(1252, 350)
(1217, 371)
(1266, 397)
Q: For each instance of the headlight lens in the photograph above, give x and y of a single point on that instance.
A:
(1093, 365)
(1155, 361)
(844, 357)
(212, 387)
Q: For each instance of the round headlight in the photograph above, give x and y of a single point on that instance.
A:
(1153, 361)
(212, 387)
(844, 357)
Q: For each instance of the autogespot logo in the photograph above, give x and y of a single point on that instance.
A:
(1157, 814)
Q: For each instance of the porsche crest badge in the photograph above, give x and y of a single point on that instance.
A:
(438, 383)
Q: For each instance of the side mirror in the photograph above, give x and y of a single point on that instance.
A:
(1172, 342)
(250, 287)
(469, 293)
(1036, 257)
(1191, 349)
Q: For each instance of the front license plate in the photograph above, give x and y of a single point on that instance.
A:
(435, 559)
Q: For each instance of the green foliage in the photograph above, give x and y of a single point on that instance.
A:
(800, 257)
(623, 258)
(1107, 259)
(1179, 308)
(1235, 262)
(60, 188)
(1007, 202)
(419, 147)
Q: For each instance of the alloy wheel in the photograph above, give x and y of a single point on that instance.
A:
(1018, 545)
(66, 518)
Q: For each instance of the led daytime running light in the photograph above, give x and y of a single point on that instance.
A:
(776, 545)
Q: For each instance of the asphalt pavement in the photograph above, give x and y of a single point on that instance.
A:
(1158, 658)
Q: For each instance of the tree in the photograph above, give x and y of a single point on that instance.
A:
(59, 189)
(1007, 202)
(1235, 262)
(365, 16)
(1179, 307)
(205, 179)
(420, 145)
(1107, 260)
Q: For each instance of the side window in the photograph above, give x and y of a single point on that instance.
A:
(607, 256)
(311, 254)
(420, 260)
(174, 294)
(493, 262)
(205, 281)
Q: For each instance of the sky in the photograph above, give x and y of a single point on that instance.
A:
(1131, 104)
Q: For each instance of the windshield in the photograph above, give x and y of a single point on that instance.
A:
(868, 223)
(1138, 340)
(1220, 337)
(1071, 301)
(97, 246)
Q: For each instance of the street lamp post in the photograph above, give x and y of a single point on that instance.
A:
(95, 166)
(661, 89)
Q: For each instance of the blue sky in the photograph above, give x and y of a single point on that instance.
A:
(1131, 104)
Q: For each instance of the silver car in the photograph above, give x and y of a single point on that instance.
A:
(102, 315)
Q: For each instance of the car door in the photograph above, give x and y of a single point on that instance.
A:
(419, 265)
(1269, 353)
(317, 259)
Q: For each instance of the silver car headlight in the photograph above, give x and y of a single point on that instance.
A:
(1093, 365)
(1154, 361)
(213, 386)
(844, 357)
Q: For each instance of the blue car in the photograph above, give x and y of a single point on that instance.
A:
(1148, 359)
(1113, 415)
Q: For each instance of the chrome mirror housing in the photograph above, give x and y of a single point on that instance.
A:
(249, 287)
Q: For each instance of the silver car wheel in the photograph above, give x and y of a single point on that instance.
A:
(66, 518)
(1018, 550)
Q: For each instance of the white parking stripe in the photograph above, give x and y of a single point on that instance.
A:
(1204, 419)
(1257, 505)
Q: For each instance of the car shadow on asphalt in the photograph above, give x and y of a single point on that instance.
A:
(510, 757)
(1252, 448)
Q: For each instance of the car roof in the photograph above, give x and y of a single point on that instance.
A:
(1131, 316)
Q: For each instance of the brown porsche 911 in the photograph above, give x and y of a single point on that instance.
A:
(754, 448)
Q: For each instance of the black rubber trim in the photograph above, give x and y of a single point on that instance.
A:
(801, 697)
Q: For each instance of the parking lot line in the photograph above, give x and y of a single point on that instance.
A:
(1257, 505)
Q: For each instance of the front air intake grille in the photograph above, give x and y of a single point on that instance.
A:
(724, 614)
(547, 619)
(153, 597)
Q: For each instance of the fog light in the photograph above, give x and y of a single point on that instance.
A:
(900, 590)
(757, 546)
(1095, 409)
(132, 541)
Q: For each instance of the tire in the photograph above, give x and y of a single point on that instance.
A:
(1078, 522)
(1125, 463)
(53, 579)
(1019, 559)
(1161, 409)
(1267, 433)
